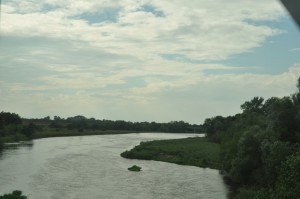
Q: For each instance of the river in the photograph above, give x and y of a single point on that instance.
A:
(90, 167)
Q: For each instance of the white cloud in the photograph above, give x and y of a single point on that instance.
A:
(197, 29)
(65, 58)
(295, 49)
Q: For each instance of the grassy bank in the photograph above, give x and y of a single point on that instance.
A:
(188, 151)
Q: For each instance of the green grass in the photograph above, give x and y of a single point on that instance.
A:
(189, 151)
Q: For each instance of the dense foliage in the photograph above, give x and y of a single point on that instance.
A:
(13, 129)
(9, 123)
(81, 123)
(260, 149)
(14, 195)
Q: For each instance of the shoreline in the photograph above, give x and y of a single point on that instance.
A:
(19, 139)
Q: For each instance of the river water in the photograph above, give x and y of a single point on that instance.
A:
(90, 167)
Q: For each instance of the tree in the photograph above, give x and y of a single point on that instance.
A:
(57, 118)
(214, 127)
(247, 159)
(282, 118)
(177, 126)
(7, 118)
(29, 130)
(255, 105)
(273, 155)
(47, 118)
(289, 179)
(14, 195)
(9, 123)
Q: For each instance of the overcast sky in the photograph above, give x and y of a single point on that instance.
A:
(144, 60)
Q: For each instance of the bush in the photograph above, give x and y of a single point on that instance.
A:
(135, 168)
(14, 195)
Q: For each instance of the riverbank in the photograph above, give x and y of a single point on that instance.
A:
(196, 151)
(63, 132)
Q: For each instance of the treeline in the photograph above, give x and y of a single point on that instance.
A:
(15, 128)
(14, 195)
(260, 148)
(81, 123)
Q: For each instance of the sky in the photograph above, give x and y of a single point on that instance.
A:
(144, 60)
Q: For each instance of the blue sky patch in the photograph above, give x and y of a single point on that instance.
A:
(179, 58)
(156, 12)
(275, 55)
(108, 15)
(49, 7)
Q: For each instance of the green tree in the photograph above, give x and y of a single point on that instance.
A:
(273, 155)
(248, 158)
(282, 117)
(14, 195)
(7, 118)
(289, 179)
(29, 130)
(255, 105)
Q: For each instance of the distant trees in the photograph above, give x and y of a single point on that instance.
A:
(9, 123)
(10, 118)
(29, 130)
(81, 123)
(14, 195)
(47, 118)
(7, 118)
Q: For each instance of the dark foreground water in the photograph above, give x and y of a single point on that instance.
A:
(91, 168)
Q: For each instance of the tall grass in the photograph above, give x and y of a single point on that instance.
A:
(188, 151)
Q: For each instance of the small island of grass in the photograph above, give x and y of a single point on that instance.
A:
(135, 168)
(197, 151)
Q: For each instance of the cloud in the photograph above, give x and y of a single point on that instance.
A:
(192, 99)
(134, 59)
(295, 49)
(197, 29)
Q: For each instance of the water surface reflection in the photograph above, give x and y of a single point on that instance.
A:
(91, 167)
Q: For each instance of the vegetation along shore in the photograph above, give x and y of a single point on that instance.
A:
(13, 128)
(196, 151)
